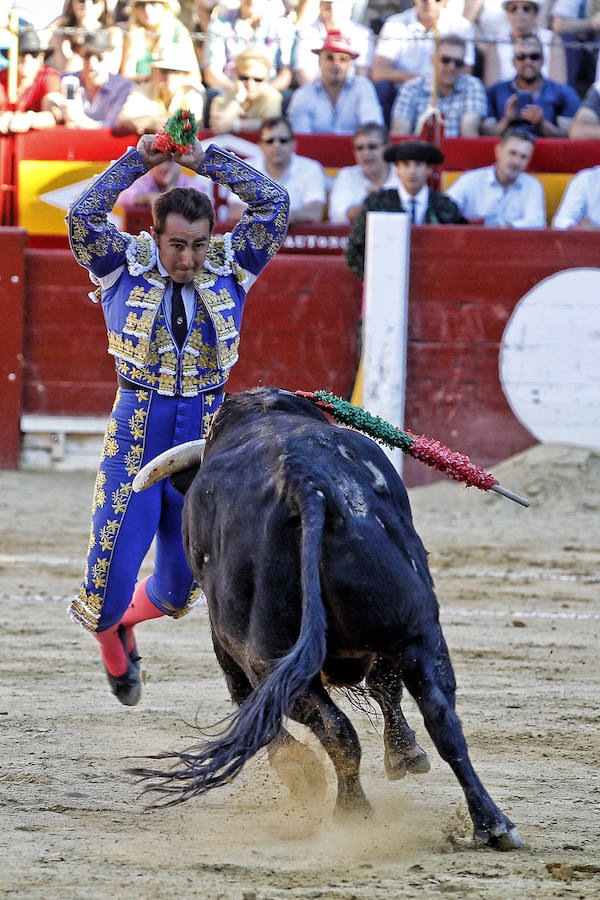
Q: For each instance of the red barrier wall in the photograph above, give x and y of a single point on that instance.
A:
(300, 325)
(299, 328)
(12, 307)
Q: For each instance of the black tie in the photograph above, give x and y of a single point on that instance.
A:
(178, 319)
(413, 211)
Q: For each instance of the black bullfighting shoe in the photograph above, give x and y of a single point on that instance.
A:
(127, 688)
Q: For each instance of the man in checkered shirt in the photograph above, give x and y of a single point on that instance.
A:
(461, 98)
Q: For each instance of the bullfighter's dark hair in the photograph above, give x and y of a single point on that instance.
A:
(187, 202)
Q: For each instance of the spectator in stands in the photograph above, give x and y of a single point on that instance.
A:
(67, 33)
(578, 23)
(303, 178)
(503, 195)
(406, 45)
(460, 97)
(521, 20)
(257, 24)
(542, 106)
(580, 205)
(174, 84)
(252, 99)
(371, 173)
(334, 15)
(338, 101)
(414, 162)
(586, 124)
(101, 94)
(38, 89)
(153, 32)
(161, 178)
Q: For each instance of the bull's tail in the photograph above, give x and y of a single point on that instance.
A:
(259, 720)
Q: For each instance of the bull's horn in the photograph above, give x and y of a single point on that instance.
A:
(173, 460)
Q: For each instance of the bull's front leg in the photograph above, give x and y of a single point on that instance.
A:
(429, 677)
(402, 753)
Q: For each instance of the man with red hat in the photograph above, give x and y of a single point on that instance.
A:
(338, 101)
(414, 161)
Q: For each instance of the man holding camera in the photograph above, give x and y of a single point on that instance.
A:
(541, 106)
(94, 97)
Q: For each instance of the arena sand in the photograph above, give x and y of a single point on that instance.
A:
(519, 592)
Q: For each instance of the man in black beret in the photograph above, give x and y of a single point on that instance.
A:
(414, 161)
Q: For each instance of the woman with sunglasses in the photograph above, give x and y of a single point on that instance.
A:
(251, 100)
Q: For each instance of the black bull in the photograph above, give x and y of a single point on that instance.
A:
(301, 536)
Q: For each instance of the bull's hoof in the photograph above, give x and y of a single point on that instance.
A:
(353, 809)
(398, 764)
(499, 838)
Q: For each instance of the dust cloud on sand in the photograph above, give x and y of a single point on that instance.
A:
(519, 596)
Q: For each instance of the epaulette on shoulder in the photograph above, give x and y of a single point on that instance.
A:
(140, 253)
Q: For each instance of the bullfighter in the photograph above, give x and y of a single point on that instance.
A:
(173, 301)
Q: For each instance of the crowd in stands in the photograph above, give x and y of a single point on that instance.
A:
(521, 69)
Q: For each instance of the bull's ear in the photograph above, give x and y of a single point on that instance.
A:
(181, 481)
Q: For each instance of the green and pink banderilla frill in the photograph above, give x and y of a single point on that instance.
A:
(178, 134)
(427, 450)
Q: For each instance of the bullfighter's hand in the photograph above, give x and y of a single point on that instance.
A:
(149, 154)
(192, 158)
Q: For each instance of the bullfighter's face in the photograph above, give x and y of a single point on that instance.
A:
(182, 246)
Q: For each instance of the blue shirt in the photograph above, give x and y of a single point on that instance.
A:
(106, 105)
(554, 99)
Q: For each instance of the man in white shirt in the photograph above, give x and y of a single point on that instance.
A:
(580, 205)
(303, 178)
(371, 173)
(334, 15)
(338, 101)
(502, 195)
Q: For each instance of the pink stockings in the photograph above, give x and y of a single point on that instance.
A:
(112, 650)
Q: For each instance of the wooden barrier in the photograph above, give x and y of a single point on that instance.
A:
(12, 312)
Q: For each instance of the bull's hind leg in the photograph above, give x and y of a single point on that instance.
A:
(427, 673)
(317, 711)
(402, 753)
(298, 768)
(296, 765)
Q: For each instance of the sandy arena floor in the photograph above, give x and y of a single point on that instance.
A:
(519, 592)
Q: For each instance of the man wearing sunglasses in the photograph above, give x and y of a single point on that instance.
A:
(252, 99)
(371, 173)
(406, 44)
(303, 178)
(338, 101)
(530, 101)
(460, 97)
(102, 94)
